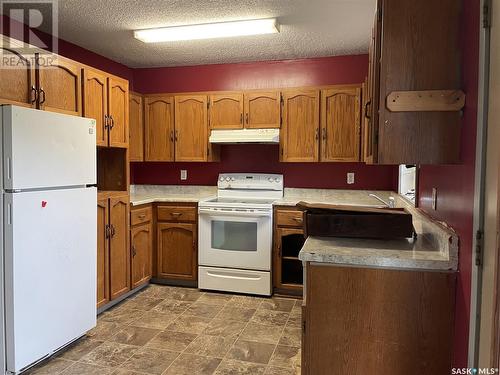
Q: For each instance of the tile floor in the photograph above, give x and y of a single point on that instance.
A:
(166, 330)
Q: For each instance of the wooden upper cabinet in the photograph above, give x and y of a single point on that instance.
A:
(119, 256)
(60, 88)
(177, 254)
(159, 128)
(226, 111)
(136, 128)
(340, 124)
(191, 128)
(102, 252)
(17, 86)
(118, 100)
(142, 252)
(95, 102)
(300, 131)
(262, 109)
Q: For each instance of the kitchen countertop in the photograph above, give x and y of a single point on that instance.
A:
(436, 248)
(143, 194)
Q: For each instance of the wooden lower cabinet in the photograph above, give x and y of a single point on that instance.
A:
(113, 252)
(288, 240)
(141, 246)
(177, 251)
(102, 252)
(377, 321)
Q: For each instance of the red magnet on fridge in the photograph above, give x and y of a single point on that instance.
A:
(44, 203)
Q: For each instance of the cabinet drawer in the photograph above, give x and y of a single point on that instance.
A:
(176, 213)
(140, 216)
(289, 218)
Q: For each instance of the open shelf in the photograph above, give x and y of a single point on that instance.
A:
(292, 271)
(112, 169)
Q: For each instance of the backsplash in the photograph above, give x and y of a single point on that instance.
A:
(262, 158)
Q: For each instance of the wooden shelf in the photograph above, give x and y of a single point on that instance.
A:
(291, 258)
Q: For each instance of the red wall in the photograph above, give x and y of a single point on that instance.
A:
(260, 158)
(455, 184)
(264, 159)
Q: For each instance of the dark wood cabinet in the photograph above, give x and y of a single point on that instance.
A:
(141, 245)
(177, 243)
(377, 321)
(415, 47)
(288, 241)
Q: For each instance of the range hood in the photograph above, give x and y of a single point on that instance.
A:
(245, 136)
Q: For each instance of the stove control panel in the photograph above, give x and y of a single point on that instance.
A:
(250, 181)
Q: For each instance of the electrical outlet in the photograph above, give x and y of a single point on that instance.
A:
(434, 198)
(184, 174)
(350, 178)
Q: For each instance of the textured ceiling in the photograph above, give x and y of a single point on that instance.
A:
(309, 28)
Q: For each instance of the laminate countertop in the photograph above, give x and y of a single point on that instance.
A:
(436, 248)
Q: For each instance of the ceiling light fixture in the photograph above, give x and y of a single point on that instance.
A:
(208, 30)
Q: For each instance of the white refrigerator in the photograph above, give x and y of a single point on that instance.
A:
(49, 233)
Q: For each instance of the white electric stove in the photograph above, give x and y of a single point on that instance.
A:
(235, 234)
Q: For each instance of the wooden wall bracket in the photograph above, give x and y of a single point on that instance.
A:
(426, 101)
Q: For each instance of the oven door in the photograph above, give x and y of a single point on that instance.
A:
(235, 238)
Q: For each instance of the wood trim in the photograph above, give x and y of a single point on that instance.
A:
(428, 100)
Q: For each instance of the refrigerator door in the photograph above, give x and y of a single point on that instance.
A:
(50, 271)
(44, 149)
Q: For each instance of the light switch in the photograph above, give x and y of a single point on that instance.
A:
(184, 174)
(350, 178)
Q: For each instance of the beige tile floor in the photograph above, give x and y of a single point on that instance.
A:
(180, 331)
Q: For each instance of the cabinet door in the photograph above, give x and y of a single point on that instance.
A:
(102, 252)
(177, 255)
(159, 128)
(340, 124)
(60, 87)
(17, 86)
(118, 112)
(119, 255)
(191, 128)
(95, 102)
(226, 111)
(300, 133)
(288, 272)
(141, 248)
(262, 109)
(136, 128)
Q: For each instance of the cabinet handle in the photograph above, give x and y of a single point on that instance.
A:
(107, 233)
(34, 94)
(316, 136)
(246, 118)
(176, 135)
(42, 95)
(113, 231)
(367, 104)
(171, 136)
(142, 216)
(134, 252)
(106, 121)
(176, 214)
(298, 219)
(112, 122)
(241, 118)
(323, 132)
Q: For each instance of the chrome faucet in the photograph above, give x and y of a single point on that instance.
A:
(390, 204)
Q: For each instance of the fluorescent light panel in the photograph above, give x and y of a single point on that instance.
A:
(208, 30)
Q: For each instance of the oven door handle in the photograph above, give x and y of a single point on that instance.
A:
(239, 277)
(204, 211)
